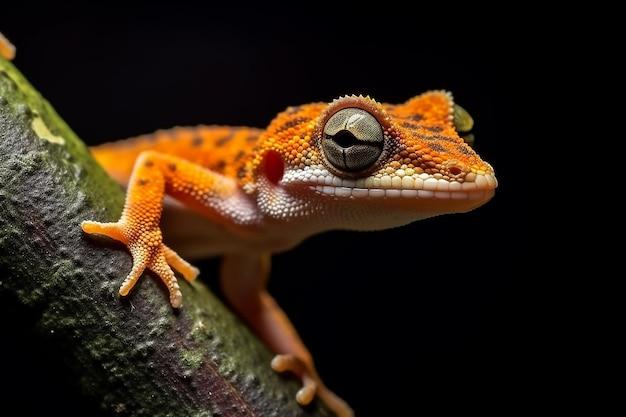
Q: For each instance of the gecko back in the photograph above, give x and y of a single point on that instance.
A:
(218, 148)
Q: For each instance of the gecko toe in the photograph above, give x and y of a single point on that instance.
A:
(306, 394)
(112, 230)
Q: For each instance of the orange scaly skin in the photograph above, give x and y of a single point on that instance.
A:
(7, 50)
(351, 164)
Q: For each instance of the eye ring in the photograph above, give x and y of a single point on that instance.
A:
(352, 140)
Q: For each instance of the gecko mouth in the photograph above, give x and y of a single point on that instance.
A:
(400, 193)
(475, 187)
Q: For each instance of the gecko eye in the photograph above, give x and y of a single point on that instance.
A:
(352, 140)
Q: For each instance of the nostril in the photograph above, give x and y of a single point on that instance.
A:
(455, 170)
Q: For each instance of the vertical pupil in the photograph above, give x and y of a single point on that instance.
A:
(345, 139)
(352, 140)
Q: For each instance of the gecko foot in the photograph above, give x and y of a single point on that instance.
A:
(311, 384)
(148, 252)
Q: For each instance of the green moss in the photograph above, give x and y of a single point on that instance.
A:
(193, 359)
(28, 107)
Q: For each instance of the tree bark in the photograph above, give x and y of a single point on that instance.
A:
(136, 356)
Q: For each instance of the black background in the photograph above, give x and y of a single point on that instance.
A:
(402, 321)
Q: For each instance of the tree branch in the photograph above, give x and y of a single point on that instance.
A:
(136, 356)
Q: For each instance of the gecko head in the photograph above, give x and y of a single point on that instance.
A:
(378, 164)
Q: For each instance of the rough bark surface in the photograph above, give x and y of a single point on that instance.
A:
(136, 356)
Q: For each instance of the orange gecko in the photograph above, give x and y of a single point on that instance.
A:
(352, 164)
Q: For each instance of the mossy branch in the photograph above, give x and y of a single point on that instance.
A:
(136, 356)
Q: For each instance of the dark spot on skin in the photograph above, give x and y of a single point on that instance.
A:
(172, 166)
(447, 138)
(463, 150)
(219, 167)
(292, 123)
(241, 172)
(142, 182)
(224, 140)
(410, 125)
(251, 138)
(437, 147)
(438, 137)
(433, 128)
(416, 117)
(197, 141)
(239, 155)
(149, 163)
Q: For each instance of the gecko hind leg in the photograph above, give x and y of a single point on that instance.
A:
(244, 279)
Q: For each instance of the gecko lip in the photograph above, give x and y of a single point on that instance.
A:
(421, 186)
(400, 193)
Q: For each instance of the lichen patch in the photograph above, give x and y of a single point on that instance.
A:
(41, 129)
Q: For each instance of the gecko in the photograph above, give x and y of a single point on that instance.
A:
(245, 193)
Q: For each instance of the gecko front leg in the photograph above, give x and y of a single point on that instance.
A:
(154, 175)
(244, 279)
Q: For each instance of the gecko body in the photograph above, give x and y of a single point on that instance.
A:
(282, 176)
(245, 193)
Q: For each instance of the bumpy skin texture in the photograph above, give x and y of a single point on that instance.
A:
(221, 149)
(351, 164)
